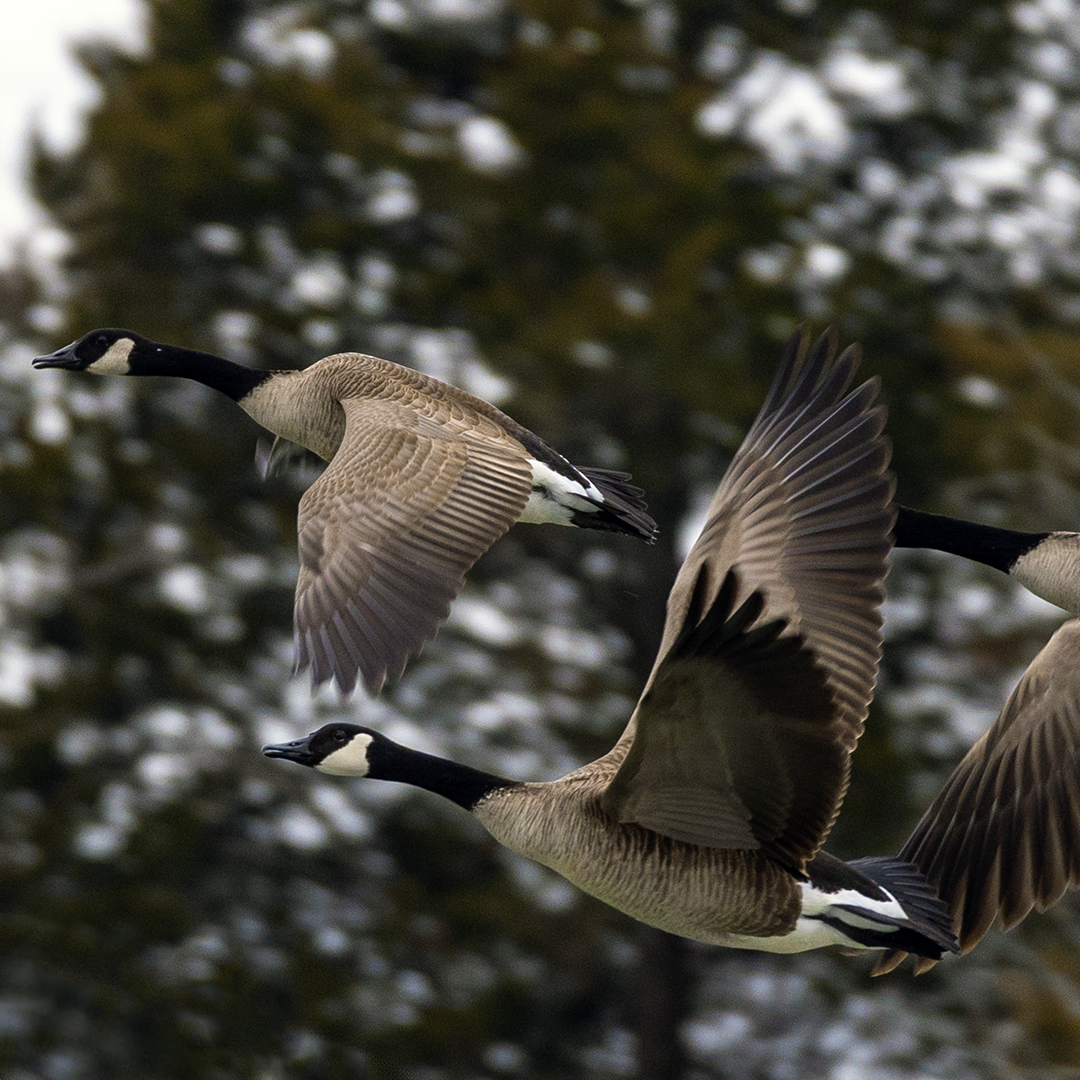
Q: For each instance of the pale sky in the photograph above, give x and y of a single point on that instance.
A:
(40, 83)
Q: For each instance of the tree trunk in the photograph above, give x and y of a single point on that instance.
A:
(656, 1004)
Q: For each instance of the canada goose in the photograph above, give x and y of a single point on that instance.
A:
(1046, 563)
(423, 479)
(708, 816)
(1003, 835)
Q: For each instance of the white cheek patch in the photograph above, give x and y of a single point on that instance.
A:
(115, 360)
(350, 760)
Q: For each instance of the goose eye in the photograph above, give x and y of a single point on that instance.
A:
(102, 339)
(339, 736)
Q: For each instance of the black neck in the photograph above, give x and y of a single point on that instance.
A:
(458, 783)
(235, 380)
(999, 548)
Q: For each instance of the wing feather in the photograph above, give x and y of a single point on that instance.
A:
(1003, 835)
(743, 736)
(389, 530)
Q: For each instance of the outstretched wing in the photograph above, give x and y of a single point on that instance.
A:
(388, 531)
(770, 650)
(1003, 835)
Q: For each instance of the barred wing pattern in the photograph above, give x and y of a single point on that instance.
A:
(380, 563)
(1003, 835)
(784, 583)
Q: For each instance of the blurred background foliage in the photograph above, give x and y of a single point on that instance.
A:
(605, 216)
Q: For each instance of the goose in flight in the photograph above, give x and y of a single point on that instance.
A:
(423, 479)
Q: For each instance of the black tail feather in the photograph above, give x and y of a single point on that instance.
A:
(928, 929)
(623, 509)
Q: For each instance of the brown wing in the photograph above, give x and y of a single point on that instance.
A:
(1003, 835)
(750, 740)
(388, 531)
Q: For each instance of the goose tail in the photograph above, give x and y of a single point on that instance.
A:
(926, 930)
(879, 903)
(622, 508)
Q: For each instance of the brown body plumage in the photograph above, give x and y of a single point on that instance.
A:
(712, 894)
(418, 488)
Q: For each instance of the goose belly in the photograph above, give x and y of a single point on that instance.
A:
(721, 897)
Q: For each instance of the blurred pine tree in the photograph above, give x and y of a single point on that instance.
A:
(613, 213)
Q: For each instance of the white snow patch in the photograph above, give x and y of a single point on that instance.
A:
(488, 145)
(185, 587)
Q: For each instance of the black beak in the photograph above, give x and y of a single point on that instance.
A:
(62, 358)
(298, 750)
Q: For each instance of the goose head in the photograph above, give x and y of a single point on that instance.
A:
(341, 750)
(108, 352)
